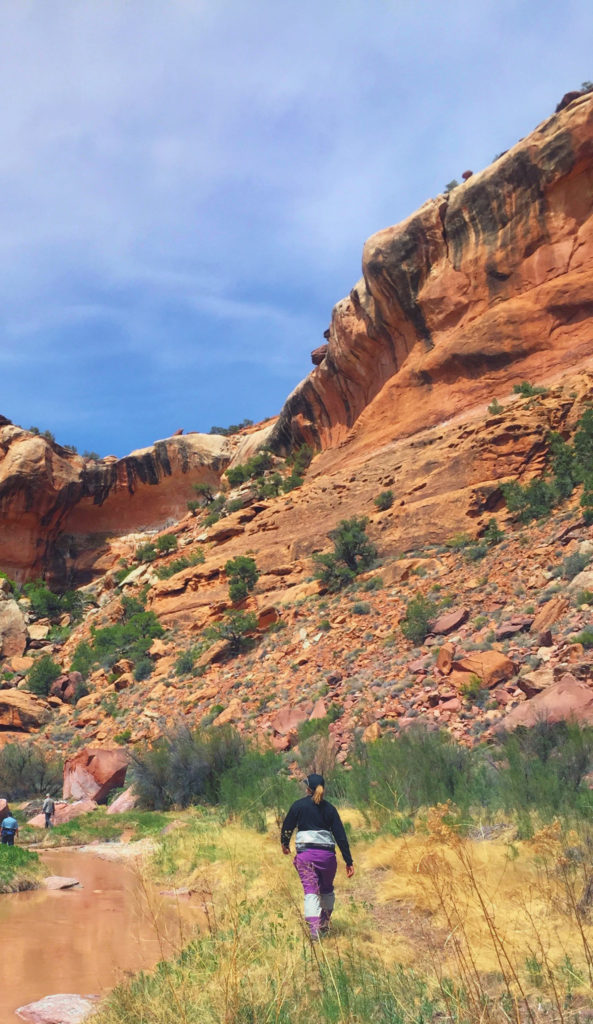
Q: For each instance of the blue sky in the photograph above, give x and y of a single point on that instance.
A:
(186, 185)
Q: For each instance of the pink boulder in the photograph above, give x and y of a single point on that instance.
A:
(288, 719)
(126, 801)
(59, 1009)
(568, 699)
(449, 621)
(94, 772)
(4, 810)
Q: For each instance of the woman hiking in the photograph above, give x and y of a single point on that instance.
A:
(319, 828)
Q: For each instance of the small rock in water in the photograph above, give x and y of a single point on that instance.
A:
(59, 1009)
(60, 882)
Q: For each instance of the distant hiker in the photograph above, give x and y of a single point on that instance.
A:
(319, 828)
(49, 809)
(10, 829)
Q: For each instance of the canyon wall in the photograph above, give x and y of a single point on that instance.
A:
(480, 288)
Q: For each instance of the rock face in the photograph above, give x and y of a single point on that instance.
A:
(93, 773)
(13, 629)
(56, 508)
(490, 283)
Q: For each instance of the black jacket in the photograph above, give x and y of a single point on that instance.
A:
(307, 816)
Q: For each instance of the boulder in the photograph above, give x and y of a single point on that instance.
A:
(232, 713)
(549, 613)
(64, 812)
(94, 772)
(533, 683)
(565, 700)
(516, 624)
(65, 687)
(22, 711)
(318, 354)
(287, 720)
(63, 1008)
(60, 882)
(449, 621)
(13, 629)
(4, 809)
(126, 801)
(445, 657)
(582, 581)
(38, 631)
(491, 668)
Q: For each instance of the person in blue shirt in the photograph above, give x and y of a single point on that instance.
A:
(10, 829)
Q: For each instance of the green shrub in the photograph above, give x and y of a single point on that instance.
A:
(185, 767)
(47, 605)
(319, 726)
(325, 626)
(290, 483)
(493, 534)
(235, 628)
(476, 551)
(164, 572)
(27, 769)
(353, 553)
(205, 493)
(384, 500)
(254, 468)
(128, 639)
(185, 662)
(495, 408)
(143, 668)
(243, 574)
(416, 622)
(166, 543)
(458, 541)
(42, 674)
(571, 566)
(145, 553)
(527, 390)
(301, 459)
(233, 429)
(585, 637)
(83, 659)
(361, 608)
(534, 501)
(375, 583)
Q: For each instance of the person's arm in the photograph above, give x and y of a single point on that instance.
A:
(342, 841)
(288, 827)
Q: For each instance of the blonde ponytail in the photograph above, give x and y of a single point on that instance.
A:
(318, 795)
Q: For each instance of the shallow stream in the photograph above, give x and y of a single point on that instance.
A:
(82, 940)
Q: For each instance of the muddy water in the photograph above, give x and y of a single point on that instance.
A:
(82, 940)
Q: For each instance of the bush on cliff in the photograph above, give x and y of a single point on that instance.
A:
(242, 574)
(235, 628)
(42, 674)
(47, 605)
(416, 622)
(353, 553)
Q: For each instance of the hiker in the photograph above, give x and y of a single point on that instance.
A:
(9, 829)
(319, 828)
(49, 809)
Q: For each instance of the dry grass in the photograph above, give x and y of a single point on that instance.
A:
(496, 927)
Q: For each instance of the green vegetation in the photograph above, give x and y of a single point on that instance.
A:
(47, 605)
(527, 390)
(493, 534)
(166, 543)
(571, 566)
(495, 408)
(384, 500)
(19, 869)
(353, 553)
(27, 769)
(255, 467)
(42, 674)
(164, 572)
(415, 625)
(208, 766)
(451, 185)
(234, 428)
(361, 608)
(569, 466)
(131, 638)
(234, 628)
(243, 574)
(145, 553)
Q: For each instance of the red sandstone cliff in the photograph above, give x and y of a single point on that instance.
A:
(480, 288)
(57, 509)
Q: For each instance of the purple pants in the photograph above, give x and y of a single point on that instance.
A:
(317, 870)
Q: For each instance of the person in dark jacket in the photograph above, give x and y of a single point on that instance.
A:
(319, 830)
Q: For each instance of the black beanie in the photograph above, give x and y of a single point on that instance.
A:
(313, 781)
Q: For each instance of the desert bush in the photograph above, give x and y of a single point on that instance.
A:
(128, 639)
(42, 674)
(234, 428)
(242, 574)
(353, 553)
(571, 566)
(495, 408)
(527, 390)
(27, 769)
(205, 493)
(384, 500)
(166, 543)
(361, 608)
(164, 572)
(47, 605)
(184, 767)
(83, 659)
(145, 553)
(493, 534)
(415, 624)
(235, 628)
(542, 768)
